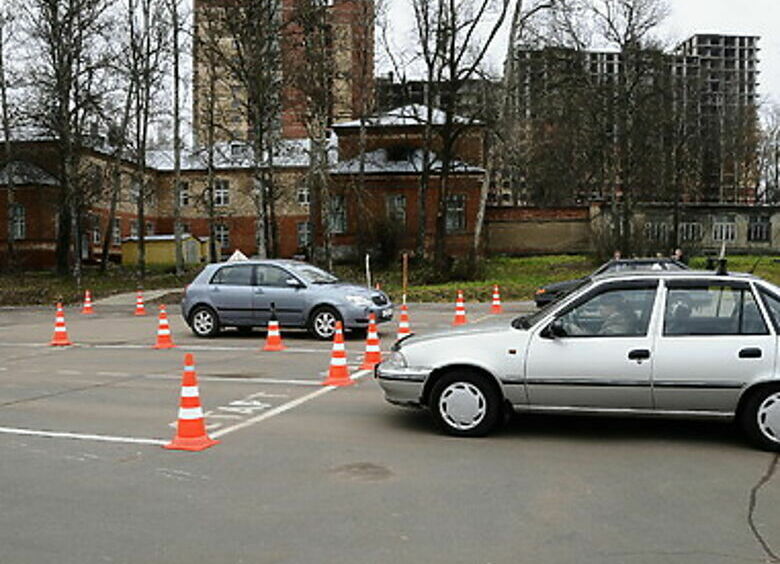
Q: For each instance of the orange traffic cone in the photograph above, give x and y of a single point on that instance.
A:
(87, 309)
(139, 304)
(460, 310)
(60, 338)
(373, 354)
(191, 428)
(377, 286)
(338, 375)
(496, 306)
(273, 340)
(164, 340)
(403, 324)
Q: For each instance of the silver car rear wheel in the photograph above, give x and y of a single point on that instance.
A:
(769, 417)
(204, 322)
(759, 416)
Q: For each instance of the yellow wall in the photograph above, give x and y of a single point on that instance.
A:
(162, 252)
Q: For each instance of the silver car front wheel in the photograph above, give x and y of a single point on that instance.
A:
(322, 323)
(465, 403)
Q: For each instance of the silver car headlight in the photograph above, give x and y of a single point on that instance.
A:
(395, 360)
(359, 301)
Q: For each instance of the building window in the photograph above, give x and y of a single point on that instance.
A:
(221, 193)
(149, 228)
(396, 209)
(338, 214)
(724, 229)
(304, 234)
(19, 220)
(456, 213)
(116, 230)
(759, 229)
(302, 195)
(658, 232)
(134, 228)
(690, 231)
(184, 194)
(222, 235)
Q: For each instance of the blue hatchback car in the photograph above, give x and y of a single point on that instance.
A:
(242, 294)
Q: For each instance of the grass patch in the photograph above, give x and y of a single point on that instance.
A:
(45, 288)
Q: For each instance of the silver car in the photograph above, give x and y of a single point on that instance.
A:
(679, 344)
(242, 294)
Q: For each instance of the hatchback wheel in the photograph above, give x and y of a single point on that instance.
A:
(204, 322)
(760, 418)
(465, 404)
(322, 323)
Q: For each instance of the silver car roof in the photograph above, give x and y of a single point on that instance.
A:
(675, 274)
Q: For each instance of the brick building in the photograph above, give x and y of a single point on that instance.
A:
(391, 165)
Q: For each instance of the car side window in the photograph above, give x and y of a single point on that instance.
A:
(240, 275)
(614, 313)
(714, 310)
(268, 275)
(772, 304)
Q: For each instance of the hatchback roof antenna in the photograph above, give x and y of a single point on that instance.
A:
(721, 269)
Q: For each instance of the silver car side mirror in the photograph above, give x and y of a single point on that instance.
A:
(293, 283)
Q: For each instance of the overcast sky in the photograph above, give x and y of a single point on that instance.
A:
(687, 17)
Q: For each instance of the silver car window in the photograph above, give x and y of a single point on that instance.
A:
(269, 275)
(239, 275)
(615, 313)
(714, 310)
(772, 303)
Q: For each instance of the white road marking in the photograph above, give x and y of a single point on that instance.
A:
(119, 374)
(241, 380)
(69, 372)
(85, 437)
(284, 407)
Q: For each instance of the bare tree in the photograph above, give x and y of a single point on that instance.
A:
(66, 72)
(5, 24)
(148, 35)
(310, 75)
(174, 9)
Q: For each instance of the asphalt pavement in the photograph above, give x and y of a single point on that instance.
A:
(313, 474)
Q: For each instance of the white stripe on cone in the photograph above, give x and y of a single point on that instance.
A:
(190, 413)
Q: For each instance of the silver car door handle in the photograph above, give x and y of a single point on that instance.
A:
(639, 354)
(259, 291)
(750, 352)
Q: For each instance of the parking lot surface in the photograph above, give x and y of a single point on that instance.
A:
(310, 474)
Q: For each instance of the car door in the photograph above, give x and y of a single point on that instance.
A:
(714, 339)
(231, 294)
(598, 350)
(272, 288)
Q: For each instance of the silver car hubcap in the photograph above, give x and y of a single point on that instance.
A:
(769, 417)
(203, 322)
(325, 324)
(462, 405)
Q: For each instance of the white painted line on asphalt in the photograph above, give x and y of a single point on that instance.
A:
(241, 380)
(69, 372)
(85, 437)
(284, 407)
(119, 374)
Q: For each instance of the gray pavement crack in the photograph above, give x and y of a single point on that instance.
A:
(752, 508)
(73, 390)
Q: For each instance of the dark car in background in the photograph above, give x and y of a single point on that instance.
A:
(556, 290)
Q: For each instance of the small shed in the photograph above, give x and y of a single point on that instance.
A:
(161, 249)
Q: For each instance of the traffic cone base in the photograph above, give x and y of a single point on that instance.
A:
(193, 445)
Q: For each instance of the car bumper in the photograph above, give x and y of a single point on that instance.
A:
(402, 386)
(357, 317)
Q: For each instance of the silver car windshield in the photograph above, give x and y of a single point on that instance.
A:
(313, 275)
